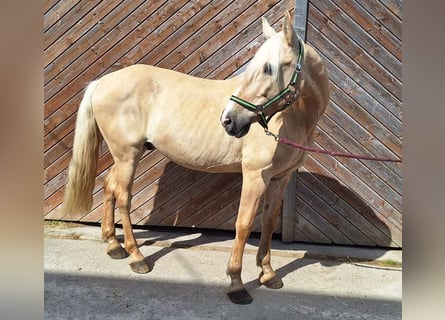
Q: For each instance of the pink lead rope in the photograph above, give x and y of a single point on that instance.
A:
(328, 152)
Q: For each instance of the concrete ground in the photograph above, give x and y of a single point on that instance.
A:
(188, 279)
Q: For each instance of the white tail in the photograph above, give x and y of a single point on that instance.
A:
(78, 196)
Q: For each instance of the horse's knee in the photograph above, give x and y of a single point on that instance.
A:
(243, 228)
(123, 200)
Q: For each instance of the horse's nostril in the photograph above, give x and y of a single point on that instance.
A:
(226, 122)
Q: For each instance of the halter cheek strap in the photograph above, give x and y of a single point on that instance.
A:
(286, 93)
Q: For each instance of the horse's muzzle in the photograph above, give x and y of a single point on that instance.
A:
(235, 129)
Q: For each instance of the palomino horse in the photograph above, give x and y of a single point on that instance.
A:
(180, 116)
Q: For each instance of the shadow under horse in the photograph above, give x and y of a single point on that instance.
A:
(339, 218)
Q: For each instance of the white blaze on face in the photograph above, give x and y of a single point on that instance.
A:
(229, 107)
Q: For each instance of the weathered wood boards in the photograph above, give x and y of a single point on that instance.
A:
(86, 39)
(334, 200)
(341, 200)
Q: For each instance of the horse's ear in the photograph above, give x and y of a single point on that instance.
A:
(267, 29)
(288, 29)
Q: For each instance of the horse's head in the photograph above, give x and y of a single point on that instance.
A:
(268, 74)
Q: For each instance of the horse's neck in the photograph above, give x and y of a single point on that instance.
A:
(314, 91)
(305, 112)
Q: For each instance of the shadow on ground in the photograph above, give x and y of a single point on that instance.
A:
(92, 297)
(171, 239)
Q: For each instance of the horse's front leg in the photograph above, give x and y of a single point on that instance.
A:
(272, 204)
(252, 190)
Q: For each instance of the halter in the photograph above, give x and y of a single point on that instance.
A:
(286, 93)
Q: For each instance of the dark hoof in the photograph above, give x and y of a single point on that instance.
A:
(239, 296)
(274, 283)
(140, 266)
(117, 252)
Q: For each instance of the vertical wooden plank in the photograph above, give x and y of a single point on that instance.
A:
(288, 220)
(300, 18)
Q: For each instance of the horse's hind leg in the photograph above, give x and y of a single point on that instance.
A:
(272, 201)
(124, 173)
(114, 249)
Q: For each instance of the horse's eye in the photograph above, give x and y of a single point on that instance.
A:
(267, 69)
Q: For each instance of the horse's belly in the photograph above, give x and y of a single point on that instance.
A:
(202, 159)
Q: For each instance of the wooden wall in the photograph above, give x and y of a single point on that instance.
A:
(349, 201)
(86, 39)
(339, 201)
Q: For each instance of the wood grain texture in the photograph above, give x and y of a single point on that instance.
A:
(342, 200)
(331, 200)
(97, 37)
